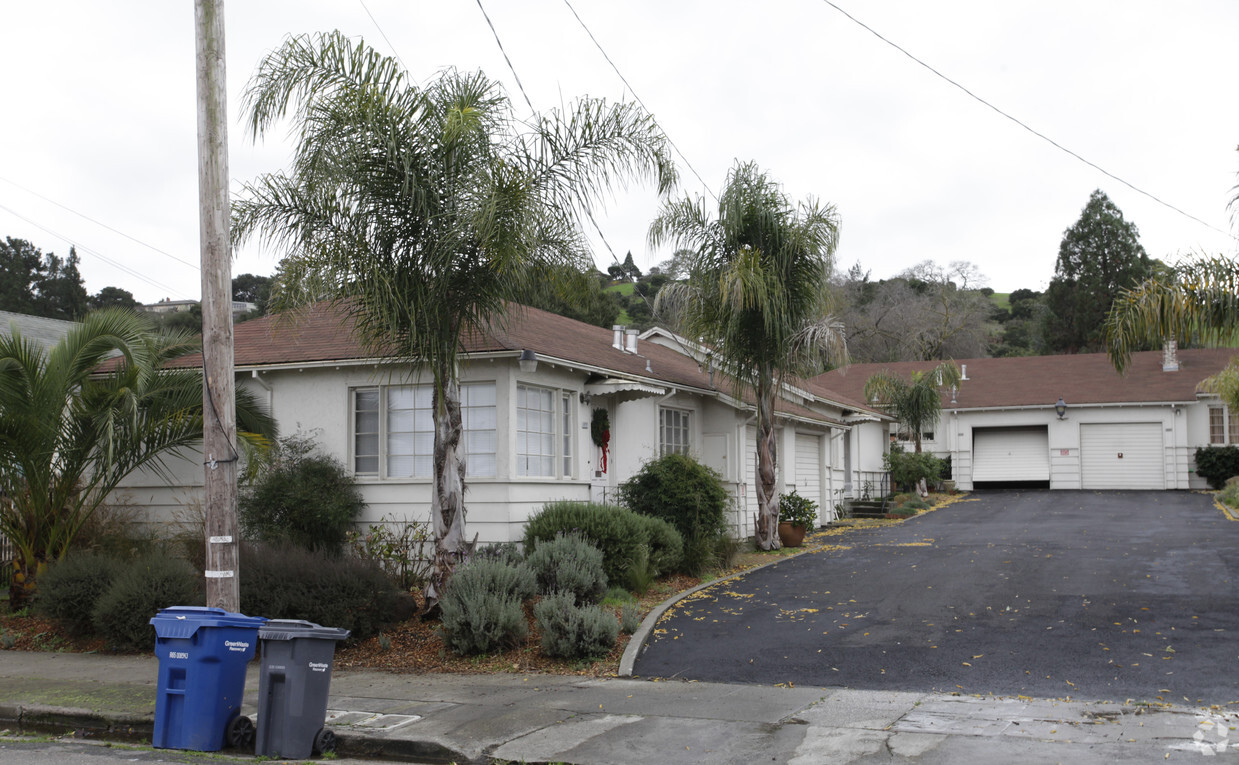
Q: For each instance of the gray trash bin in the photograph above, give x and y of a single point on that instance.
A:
(292, 688)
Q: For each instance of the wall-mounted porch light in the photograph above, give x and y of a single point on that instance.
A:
(529, 361)
(1060, 407)
(586, 398)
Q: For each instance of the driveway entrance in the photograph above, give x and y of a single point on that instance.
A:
(1089, 595)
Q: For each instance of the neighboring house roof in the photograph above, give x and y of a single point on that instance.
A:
(1085, 378)
(323, 334)
(45, 332)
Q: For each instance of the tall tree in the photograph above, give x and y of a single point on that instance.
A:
(112, 297)
(40, 285)
(1100, 255)
(757, 295)
(69, 433)
(252, 289)
(420, 210)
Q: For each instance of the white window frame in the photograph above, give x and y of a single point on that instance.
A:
(675, 431)
(1229, 424)
(545, 432)
(479, 462)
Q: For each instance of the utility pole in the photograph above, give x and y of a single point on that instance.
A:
(219, 417)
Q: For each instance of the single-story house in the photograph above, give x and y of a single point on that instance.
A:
(1139, 430)
(530, 391)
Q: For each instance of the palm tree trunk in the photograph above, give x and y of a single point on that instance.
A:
(447, 502)
(767, 521)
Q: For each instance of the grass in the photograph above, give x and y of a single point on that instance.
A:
(1002, 300)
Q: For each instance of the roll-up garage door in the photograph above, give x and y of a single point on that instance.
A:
(1122, 455)
(1010, 454)
(809, 468)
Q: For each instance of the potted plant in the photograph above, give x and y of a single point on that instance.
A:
(797, 515)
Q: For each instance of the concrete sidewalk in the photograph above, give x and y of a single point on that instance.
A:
(552, 718)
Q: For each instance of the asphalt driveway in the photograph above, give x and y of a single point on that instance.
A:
(1092, 595)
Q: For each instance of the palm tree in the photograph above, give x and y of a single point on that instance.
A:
(1196, 301)
(915, 402)
(74, 423)
(756, 291)
(419, 211)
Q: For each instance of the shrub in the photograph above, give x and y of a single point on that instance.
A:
(399, 548)
(666, 546)
(616, 531)
(570, 631)
(1228, 496)
(142, 589)
(910, 468)
(797, 510)
(504, 552)
(689, 496)
(70, 589)
(300, 497)
(287, 582)
(480, 610)
(1217, 463)
(630, 618)
(569, 564)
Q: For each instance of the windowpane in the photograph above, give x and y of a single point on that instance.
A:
(1217, 425)
(673, 431)
(403, 438)
(410, 431)
(366, 431)
(478, 418)
(535, 432)
(1233, 430)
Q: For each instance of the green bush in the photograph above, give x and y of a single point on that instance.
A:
(570, 631)
(1217, 463)
(907, 469)
(616, 531)
(401, 548)
(287, 582)
(142, 589)
(300, 497)
(1228, 496)
(689, 496)
(504, 552)
(630, 618)
(797, 510)
(480, 610)
(666, 546)
(568, 563)
(69, 590)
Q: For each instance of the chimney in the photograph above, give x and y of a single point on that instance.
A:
(963, 375)
(617, 336)
(630, 340)
(1170, 355)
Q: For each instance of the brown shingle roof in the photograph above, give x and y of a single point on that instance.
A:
(1086, 378)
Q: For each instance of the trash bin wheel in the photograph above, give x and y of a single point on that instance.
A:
(240, 733)
(325, 741)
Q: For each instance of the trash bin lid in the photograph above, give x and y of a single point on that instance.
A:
(291, 629)
(184, 621)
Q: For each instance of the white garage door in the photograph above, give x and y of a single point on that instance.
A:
(1010, 454)
(809, 468)
(1122, 455)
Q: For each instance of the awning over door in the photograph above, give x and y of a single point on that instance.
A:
(1122, 455)
(1010, 454)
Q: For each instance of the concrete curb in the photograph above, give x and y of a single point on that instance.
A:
(84, 723)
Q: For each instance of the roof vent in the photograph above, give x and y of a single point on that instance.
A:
(617, 336)
(630, 340)
(963, 371)
(1170, 355)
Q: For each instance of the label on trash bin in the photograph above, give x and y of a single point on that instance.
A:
(319, 666)
(178, 654)
(236, 645)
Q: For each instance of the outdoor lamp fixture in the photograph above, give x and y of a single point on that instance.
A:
(1061, 407)
(529, 361)
(586, 398)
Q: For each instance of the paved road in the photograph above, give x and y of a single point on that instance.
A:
(1089, 595)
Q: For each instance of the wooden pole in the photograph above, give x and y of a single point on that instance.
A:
(219, 426)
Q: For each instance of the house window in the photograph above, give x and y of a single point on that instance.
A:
(393, 428)
(566, 431)
(905, 436)
(673, 431)
(1223, 426)
(535, 431)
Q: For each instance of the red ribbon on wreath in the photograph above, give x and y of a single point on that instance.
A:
(606, 448)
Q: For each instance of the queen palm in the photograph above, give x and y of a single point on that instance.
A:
(423, 211)
(756, 295)
(71, 428)
(1197, 301)
(914, 402)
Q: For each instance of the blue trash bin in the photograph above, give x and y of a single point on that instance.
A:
(203, 653)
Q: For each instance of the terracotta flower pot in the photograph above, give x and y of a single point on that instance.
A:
(791, 536)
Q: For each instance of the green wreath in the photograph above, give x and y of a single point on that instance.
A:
(600, 427)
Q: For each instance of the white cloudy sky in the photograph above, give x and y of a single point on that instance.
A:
(97, 139)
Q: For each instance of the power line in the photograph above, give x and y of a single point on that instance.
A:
(182, 261)
(111, 262)
(634, 95)
(505, 58)
(1023, 125)
(383, 34)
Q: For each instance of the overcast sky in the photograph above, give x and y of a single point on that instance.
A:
(99, 148)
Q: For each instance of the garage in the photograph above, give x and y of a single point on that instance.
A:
(1122, 455)
(809, 468)
(1011, 456)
